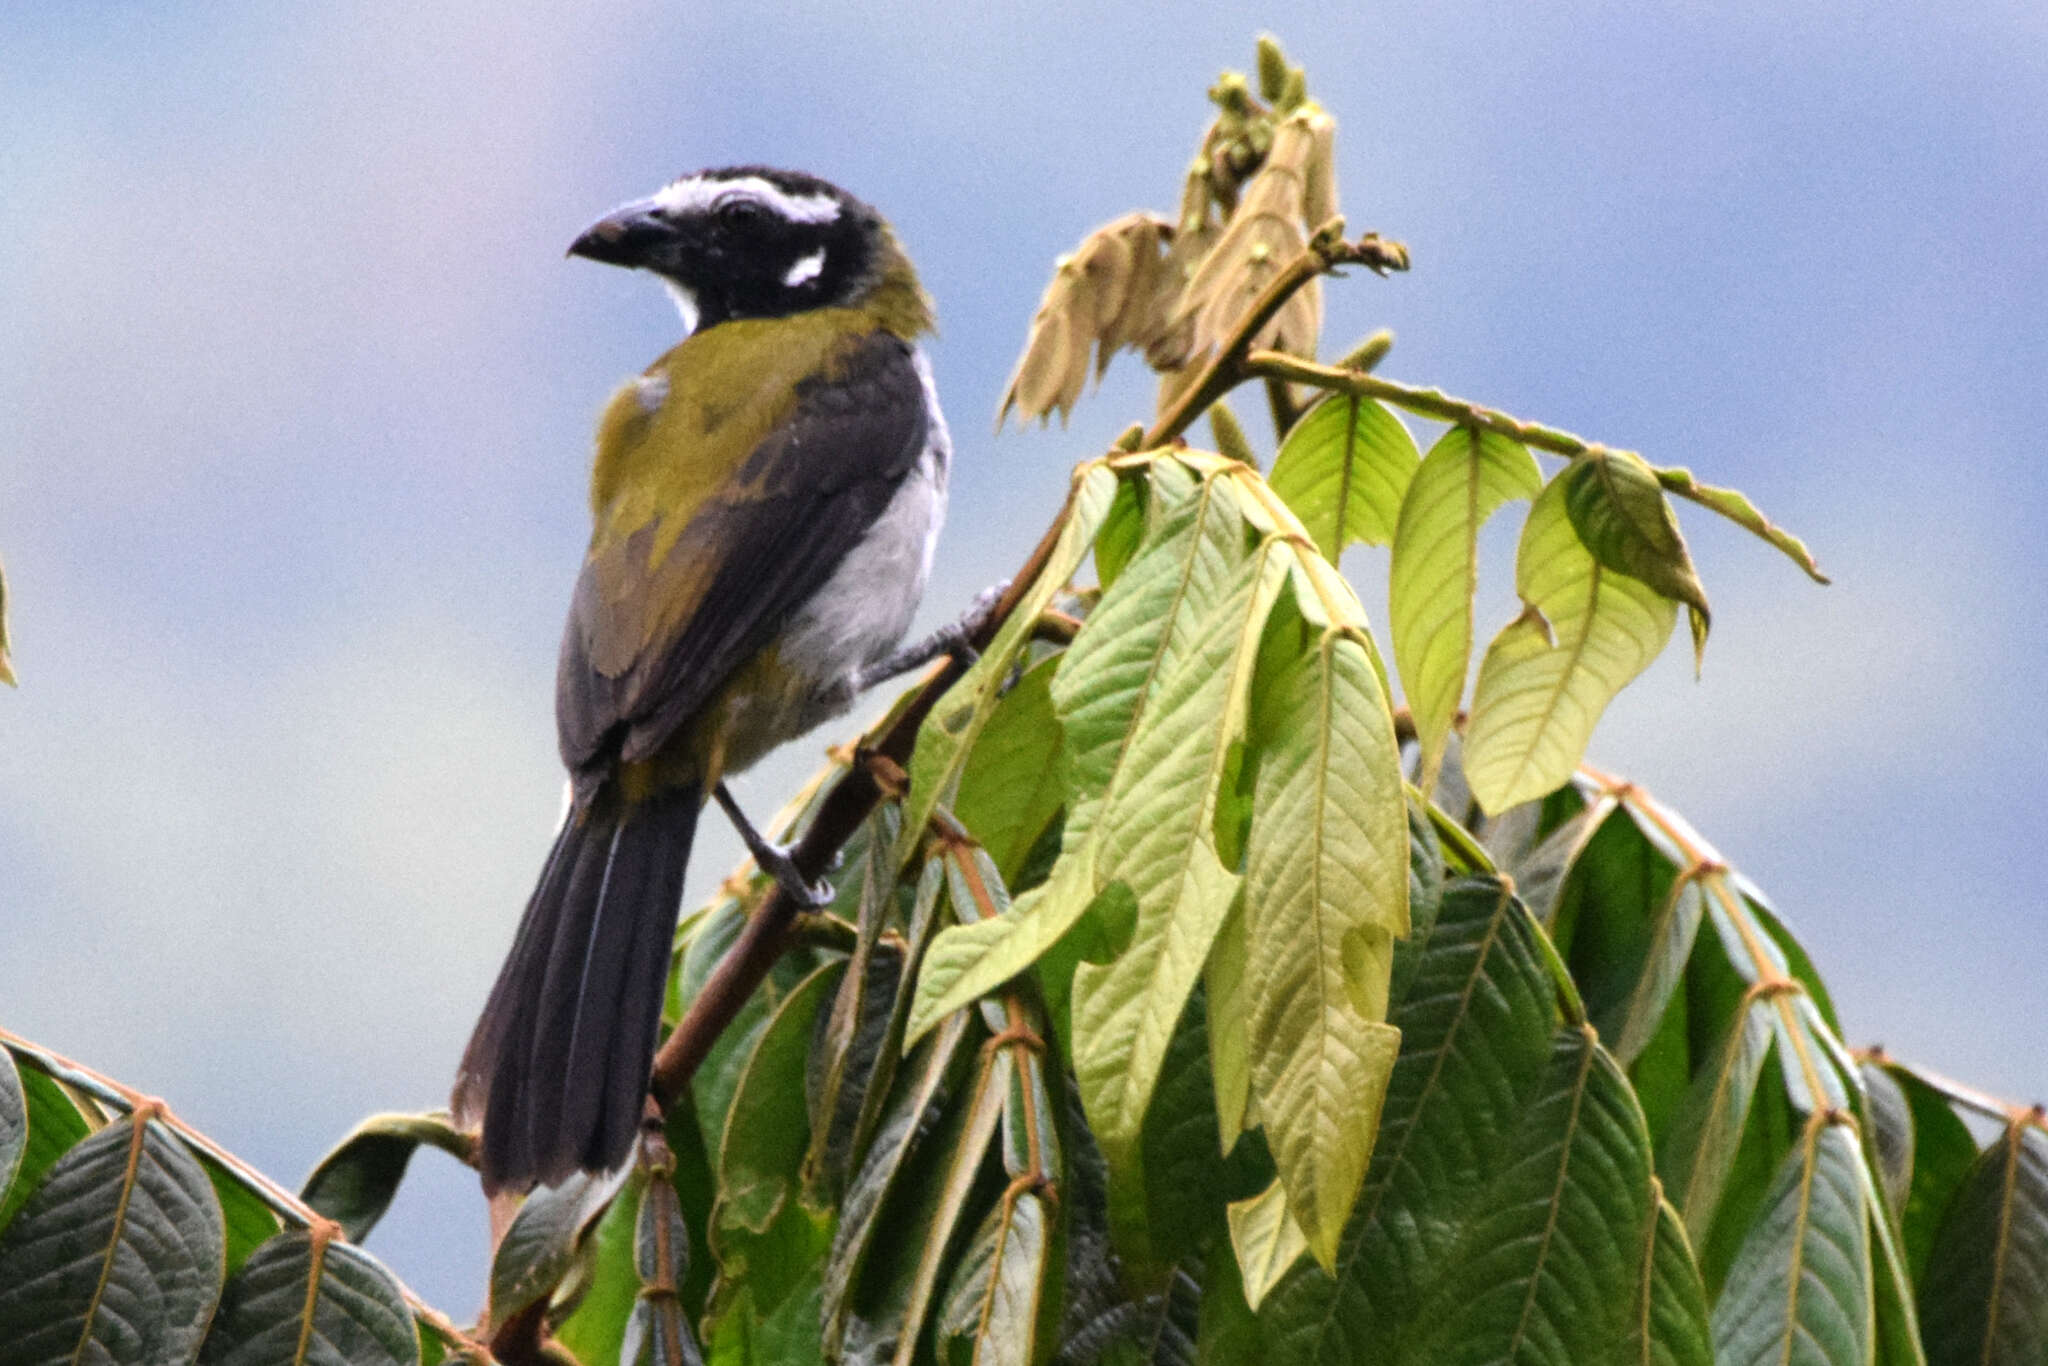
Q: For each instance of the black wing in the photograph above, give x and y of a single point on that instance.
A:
(645, 648)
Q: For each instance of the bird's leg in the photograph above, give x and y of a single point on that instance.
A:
(774, 858)
(955, 638)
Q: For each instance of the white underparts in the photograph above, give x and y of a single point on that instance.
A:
(686, 304)
(806, 268)
(697, 194)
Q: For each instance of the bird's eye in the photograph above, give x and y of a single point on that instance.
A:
(740, 210)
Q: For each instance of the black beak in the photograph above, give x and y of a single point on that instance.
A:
(626, 236)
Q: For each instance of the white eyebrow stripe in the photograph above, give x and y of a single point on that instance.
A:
(696, 194)
(805, 268)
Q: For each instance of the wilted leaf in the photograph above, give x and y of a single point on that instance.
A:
(1343, 469)
(1620, 512)
(117, 1257)
(1266, 231)
(355, 1182)
(1467, 475)
(1110, 293)
(1984, 1298)
(310, 1300)
(1584, 633)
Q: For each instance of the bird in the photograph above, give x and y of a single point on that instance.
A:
(766, 498)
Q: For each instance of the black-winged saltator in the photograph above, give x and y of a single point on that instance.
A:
(766, 497)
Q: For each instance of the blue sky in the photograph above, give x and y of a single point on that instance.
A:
(296, 389)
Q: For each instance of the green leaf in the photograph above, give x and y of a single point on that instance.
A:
(1743, 513)
(54, 1125)
(658, 1332)
(1158, 838)
(1670, 1327)
(1671, 935)
(13, 1122)
(1230, 1063)
(1984, 1298)
(247, 1218)
(1584, 633)
(1110, 679)
(1943, 1153)
(606, 1282)
(544, 1240)
(1463, 480)
(1696, 1157)
(1619, 510)
(1012, 786)
(1343, 469)
(355, 1182)
(1890, 1134)
(761, 1151)
(1266, 1240)
(1122, 528)
(1509, 1202)
(949, 733)
(976, 1128)
(853, 1054)
(117, 1257)
(995, 1309)
(1326, 892)
(1800, 1289)
(312, 1301)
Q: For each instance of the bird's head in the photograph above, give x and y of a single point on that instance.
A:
(754, 242)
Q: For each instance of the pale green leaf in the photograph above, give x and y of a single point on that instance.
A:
(1158, 839)
(1584, 633)
(1230, 1063)
(1466, 477)
(1326, 891)
(1799, 1293)
(1343, 470)
(995, 1309)
(1266, 1240)
(1109, 679)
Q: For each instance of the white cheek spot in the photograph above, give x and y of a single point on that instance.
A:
(806, 268)
(651, 391)
(686, 304)
(698, 194)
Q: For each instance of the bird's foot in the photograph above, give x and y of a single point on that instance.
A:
(773, 859)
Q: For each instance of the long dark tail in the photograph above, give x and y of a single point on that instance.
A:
(557, 1069)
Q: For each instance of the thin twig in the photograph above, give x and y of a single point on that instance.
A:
(1325, 251)
(1432, 403)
